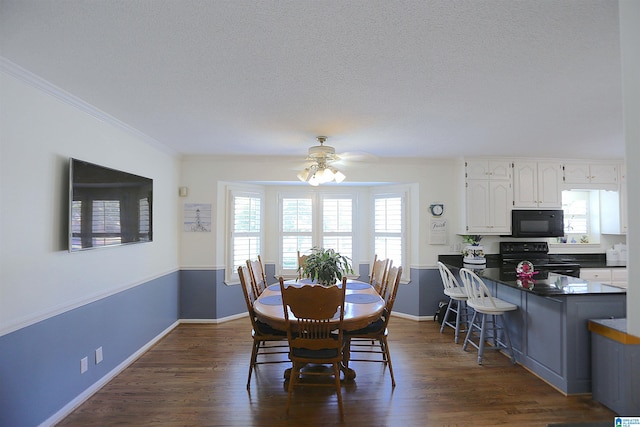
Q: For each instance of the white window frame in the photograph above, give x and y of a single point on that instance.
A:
(233, 191)
(317, 197)
(392, 192)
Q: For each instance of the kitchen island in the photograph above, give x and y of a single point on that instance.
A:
(549, 332)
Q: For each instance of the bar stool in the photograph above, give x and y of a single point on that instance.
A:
(457, 302)
(479, 298)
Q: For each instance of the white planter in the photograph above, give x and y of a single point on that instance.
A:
(473, 254)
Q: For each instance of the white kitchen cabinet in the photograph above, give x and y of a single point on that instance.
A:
(611, 276)
(591, 174)
(537, 185)
(488, 169)
(489, 197)
(619, 277)
(602, 275)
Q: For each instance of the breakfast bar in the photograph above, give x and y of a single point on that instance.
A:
(549, 331)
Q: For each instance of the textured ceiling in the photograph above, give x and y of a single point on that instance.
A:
(392, 78)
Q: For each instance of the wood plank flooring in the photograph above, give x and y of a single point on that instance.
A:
(196, 376)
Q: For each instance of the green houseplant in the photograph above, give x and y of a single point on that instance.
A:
(325, 266)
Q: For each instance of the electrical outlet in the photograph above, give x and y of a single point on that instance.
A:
(84, 365)
(98, 355)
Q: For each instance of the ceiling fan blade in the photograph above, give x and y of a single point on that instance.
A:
(357, 156)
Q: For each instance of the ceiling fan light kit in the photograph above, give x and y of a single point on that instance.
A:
(321, 172)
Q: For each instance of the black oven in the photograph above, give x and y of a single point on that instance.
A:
(537, 223)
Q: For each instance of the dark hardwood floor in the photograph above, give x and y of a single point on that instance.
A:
(196, 376)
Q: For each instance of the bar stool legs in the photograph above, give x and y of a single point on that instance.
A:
(458, 307)
(489, 330)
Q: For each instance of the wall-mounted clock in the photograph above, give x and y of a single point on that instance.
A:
(437, 209)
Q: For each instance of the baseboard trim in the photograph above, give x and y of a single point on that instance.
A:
(215, 321)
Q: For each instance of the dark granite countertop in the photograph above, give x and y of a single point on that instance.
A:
(550, 284)
(543, 283)
(585, 260)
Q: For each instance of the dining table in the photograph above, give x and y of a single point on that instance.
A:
(363, 305)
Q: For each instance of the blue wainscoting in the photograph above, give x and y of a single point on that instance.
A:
(419, 298)
(40, 364)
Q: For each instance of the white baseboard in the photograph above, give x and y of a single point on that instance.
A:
(411, 316)
(216, 321)
(82, 397)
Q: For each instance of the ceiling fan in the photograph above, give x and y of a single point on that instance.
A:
(320, 170)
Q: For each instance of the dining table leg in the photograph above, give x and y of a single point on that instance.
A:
(349, 374)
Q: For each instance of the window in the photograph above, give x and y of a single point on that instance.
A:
(246, 230)
(337, 225)
(576, 212)
(297, 230)
(388, 227)
(581, 215)
(316, 219)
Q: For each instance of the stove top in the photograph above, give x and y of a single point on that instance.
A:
(538, 254)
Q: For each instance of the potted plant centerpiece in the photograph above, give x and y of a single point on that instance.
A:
(325, 266)
(473, 253)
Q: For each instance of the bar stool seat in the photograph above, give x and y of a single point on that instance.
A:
(489, 309)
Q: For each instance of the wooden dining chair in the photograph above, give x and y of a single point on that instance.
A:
(376, 331)
(379, 271)
(258, 278)
(302, 259)
(266, 340)
(314, 315)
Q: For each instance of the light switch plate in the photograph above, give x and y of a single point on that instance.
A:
(98, 355)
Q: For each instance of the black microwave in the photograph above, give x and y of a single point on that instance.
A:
(537, 223)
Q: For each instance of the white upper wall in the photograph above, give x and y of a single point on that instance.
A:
(431, 181)
(38, 276)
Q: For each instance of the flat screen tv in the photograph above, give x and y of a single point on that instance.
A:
(108, 207)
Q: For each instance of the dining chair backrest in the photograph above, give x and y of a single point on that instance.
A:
(317, 311)
(378, 273)
(258, 278)
(302, 259)
(393, 282)
(449, 281)
(247, 290)
(477, 292)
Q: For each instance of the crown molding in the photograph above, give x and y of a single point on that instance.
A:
(52, 90)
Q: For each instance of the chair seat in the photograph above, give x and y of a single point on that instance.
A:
(371, 328)
(322, 354)
(264, 329)
(457, 294)
(500, 307)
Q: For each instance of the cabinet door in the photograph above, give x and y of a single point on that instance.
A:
(603, 174)
(501, 201)
(576, 173)
(602, 275)
(619, 277)
(488, 169)
(478, 206)
(500, 169)
(477, 169)
(525, 185)
(549, 179)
